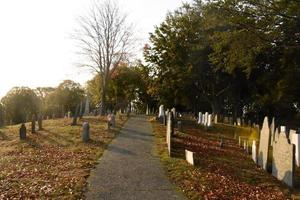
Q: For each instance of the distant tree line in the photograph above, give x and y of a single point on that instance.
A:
(232, 57)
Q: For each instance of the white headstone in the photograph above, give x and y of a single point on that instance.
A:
(206, 119)
(295, 139)
(254, 151)
(216, 119)
(173, 110)
(169, 132)
(200, 118)
(209, 120)
(238, 121)
(189, 156)
(282, 129)
(161, 111)
(203, 119)
(264, 142)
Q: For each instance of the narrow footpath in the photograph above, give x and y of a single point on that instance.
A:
(129, 170)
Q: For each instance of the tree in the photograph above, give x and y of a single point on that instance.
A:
(104, 40)
(20, 104)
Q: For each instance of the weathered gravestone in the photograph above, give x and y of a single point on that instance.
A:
(209, 120)
(170, 131)
(238, 121)
(254, 151)
(173, 110)
(85, 132)
(295, 139)
(206, 119)
(283, 160)
(161, 113)
(33, 124)
(22, 132)
(40, 122)
(203, 119)
(179, 126)
(200, 118)
(216, 119)
(264, 143)
(189, 156)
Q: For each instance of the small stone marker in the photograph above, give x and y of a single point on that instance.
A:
(200, 118)
(216, 119)
(254, 151)
(264, 143)
(85, 132)
(170, 130)
(283, 160)
(22, 132)
(189, 156)
(295, 139)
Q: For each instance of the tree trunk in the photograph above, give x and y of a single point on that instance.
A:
(102, 98)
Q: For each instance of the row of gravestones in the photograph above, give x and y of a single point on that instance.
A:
(286, 151)
(22, 130)
(205, 119)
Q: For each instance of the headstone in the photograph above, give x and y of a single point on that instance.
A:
(173, 110)
(206, 119)
(200, 118)
(22, 132)
(161, 111)
(240, 141)
(85, 132)
(179, 126)
(254, 151)
(147, 110)
(264, 143)
(40, 122)
(272, 129)
(226, 120)
(189, 156)
(295, 139)
(209, 120)
(203, 119)
(69, 114)
(33, 124)
(216, 119)
(282, 129)
(170, 130)
(283, 160)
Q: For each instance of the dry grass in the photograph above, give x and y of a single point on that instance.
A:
(52, 163)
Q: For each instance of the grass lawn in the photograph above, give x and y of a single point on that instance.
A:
(54, 162)
(219, 173)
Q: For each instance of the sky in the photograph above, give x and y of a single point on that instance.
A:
(36, 49)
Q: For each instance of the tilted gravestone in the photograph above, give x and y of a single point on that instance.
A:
(189, 156)
(264, 143)
(85, 132)
(40, 122)
(33, 124)
(22, 132)
(254, 151)
(295, 139)
(170, 131)
(283, 160)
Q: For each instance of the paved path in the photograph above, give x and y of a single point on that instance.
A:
(128, 170)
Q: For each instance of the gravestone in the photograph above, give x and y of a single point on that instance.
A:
(69, 114)
(254, 151)
(179, 126)
(216, 119)
(295, 140)
(40, 122)
(209, 120)
(203, 119)
(33, 124)
(264, 143)
(22, 132)
(282, 129)
(240, 141)
(85, 132)
(173, 110)
(206, 119)
(161, 111)
(283, 160)
(170, 131)
(226, 120)
(200, 118)
(189, 156)
(272, 130)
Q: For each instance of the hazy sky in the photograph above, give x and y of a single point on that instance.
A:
(35, 46)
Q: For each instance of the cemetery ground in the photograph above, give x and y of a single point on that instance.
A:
(219, 172)
(53, 162)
